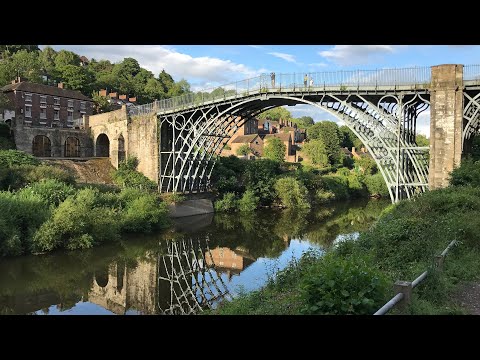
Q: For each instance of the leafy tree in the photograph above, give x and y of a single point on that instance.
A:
(367, 165)
(422, 140)
(101, 103)
(259, 176)
(46, 58)
(292, 193)
(179, 88)
(276, 114)
(126, 69)
(243, 150)
(7, 50)
(153, 90)
(348, 138)
(329, 133)
(274, 150)
(315, 150)
(166, 80)
(304, 121)
(65, 57)
(76, 77)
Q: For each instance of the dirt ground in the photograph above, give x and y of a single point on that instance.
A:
(87, 171)
(468, 297)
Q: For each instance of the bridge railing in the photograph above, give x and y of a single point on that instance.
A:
(293, 82)
(471, 72)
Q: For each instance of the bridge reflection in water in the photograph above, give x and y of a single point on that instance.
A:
(185, 277)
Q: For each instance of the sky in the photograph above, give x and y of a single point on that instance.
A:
(207, 66)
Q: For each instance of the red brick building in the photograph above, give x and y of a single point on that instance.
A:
(47, 106)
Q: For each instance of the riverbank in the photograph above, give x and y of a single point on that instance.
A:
(357, 276)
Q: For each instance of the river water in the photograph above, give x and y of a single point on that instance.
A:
(194, 265)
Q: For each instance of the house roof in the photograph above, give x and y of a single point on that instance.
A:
(245, 139)
(281, 136)
(84, 59)
(346, 151)
(45, 89)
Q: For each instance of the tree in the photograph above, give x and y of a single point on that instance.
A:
(274, 150)
(422, 140)
(46, 58)
(243, 150)
(65, 57)
(348, 138)
(316, 152)
(166, 80)
(304, 121)
(329, 133)
(276, 114)
(101, 103)
(8, 50)
(126, 69)
(76, 77)
(153, 90)
(179, 88)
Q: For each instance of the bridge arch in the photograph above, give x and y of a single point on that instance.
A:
(374, 124)
(71, 147)
(102, 146)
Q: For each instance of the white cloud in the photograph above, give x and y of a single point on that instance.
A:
(284, 56)
(256, 46)
(356, 54)
(423, 123)
(199, 70)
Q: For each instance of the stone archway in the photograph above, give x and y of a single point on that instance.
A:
(102, 146)
(121, 149)
(72, 147)
(42, 146)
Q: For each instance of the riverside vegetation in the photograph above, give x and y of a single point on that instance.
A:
(356, 276)
(44, 210)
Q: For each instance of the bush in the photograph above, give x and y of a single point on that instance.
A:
(468, 173)
(9, 158)
(142, 212)
(18, 176)
(376, 185)
(227, 203)
(133, 179)
(260, 177)
(173, 198)
(323, 196)
(339, 286)
(53, 192)
(248, 202)
(338, 185)
(20, 216)
(292, 193)
(78, 223)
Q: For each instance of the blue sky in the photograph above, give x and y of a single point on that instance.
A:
(205, 66)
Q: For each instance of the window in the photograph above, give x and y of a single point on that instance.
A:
(43, 113)
(43, 99)
(56, 115)
(82, 106)
(70, 115)
(28, 110)
(70, 103)
(56, 101)
(28, 97)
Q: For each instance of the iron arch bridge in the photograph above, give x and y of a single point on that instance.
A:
(380, 106)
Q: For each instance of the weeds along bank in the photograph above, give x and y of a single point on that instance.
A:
(357, 276)
(42, 209)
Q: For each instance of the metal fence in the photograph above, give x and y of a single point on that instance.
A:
(405, 288)
(309, 81)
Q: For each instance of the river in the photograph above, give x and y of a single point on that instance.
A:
(194, 265)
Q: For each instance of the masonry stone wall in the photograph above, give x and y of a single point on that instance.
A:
(446, 123)
(24, 136)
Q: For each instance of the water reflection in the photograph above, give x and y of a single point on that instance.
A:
(193, 266)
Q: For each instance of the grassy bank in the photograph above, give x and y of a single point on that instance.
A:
(357, 276)
(42, 208)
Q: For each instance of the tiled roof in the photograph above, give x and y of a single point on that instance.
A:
(45, 89)
(245, 138)
(281, 136)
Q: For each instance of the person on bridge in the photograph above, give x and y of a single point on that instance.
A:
(305, 80)
(311, 82)
(272, 76)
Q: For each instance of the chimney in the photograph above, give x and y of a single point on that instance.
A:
(353, 150)
(132, 99)
(60, 85)
(113, 95)
(14, 81)
(102, 92)
(123, 97)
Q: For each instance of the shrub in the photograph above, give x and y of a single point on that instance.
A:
(173, 198)
(18, 176)
(274, 150)
(53, 192)
(338, 185)
(227, 203)
(339, 286)
(376, 185)
(292, 193)
(79, 222)
(248, 202)
(468, 173)
(323, 196)
(142, 212)
(243, 150)
(133, 179)
(9, 158)
(260, 177)
(20, 216)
